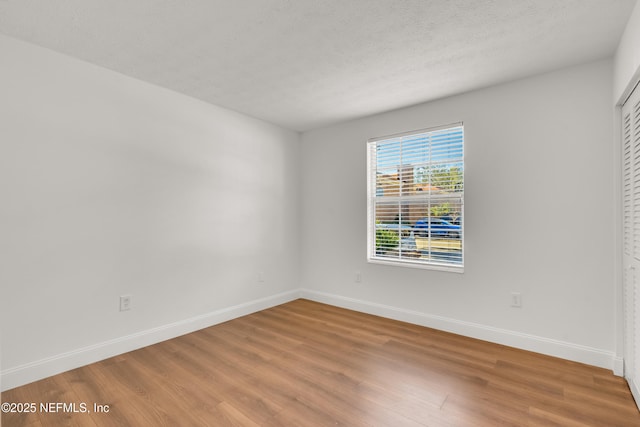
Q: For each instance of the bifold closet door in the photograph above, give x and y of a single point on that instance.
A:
(631, 239)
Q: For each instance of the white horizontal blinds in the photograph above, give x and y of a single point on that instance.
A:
(416, 196)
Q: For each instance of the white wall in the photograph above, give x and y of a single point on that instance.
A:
(539, 215)
(627, 58)
(112, 186)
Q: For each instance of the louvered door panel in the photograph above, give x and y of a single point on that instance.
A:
(629, 315)
(635, 330)
(631, 239)
(627, 184)
(634, 134)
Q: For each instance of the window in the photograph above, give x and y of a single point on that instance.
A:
(415, 192)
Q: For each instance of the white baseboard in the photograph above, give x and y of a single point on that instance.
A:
(29, 372)
(618, 366)
(561, 349)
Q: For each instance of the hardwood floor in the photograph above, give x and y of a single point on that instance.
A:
(310, 364)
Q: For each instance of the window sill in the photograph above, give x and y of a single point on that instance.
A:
(414, 264)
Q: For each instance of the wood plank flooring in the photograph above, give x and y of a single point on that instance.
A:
(309, 364)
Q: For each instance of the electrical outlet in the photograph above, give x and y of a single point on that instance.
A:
(358, 277)
(516, 299)
(261, 276)
(125, 302)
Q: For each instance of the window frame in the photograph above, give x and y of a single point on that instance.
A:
(373, 194)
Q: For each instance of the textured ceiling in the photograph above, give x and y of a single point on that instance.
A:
(304, 64)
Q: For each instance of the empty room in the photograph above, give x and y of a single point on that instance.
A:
(313, 213)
